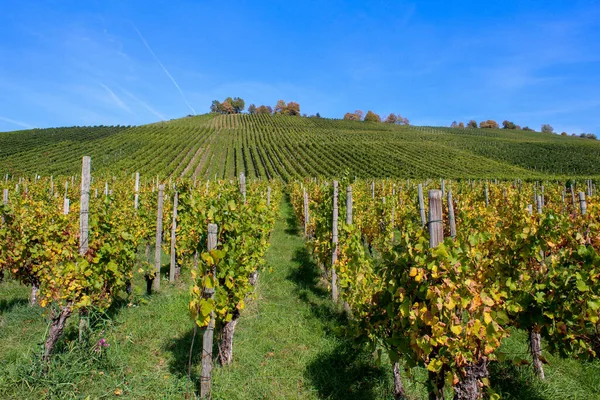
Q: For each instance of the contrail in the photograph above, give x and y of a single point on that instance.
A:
(164, 68)
(144, 104)
(116, 98)
(19, 123)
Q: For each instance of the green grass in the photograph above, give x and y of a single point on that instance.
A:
(289, 344)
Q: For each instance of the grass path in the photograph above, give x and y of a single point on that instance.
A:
(288, 344)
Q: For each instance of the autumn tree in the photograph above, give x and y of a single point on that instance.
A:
(372, 117)
(352, 116)
(293, 108)
(234, 106)
(237, 103)
(280, 107)
(508, 125)
(472, 124)
(526, 128)
(391, 119)
(489, 124)
(264, 110)
(227, 108)
(461, 125)
(546, 128)
(252, 109)
(453, 124)
(360, 114)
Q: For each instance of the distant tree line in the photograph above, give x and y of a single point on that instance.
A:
(491, 124)
(370, 116)
(236, 105)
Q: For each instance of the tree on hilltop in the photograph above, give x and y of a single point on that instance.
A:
(372, 117)
(227, 108)
(355, 116)
(391, 119)
(230, 106)
(292, 108)
(546, 128)
(472, 124)
(508, 125)
(264, 110)
(216, 107)
(461, 125)
(252, 109)
(489, 124)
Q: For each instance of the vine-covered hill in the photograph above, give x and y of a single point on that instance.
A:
(289, 147)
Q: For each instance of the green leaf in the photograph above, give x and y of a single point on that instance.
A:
(581, 286)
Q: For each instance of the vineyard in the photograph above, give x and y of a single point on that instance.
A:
(441, 281)
(274, 146)
(442, 263)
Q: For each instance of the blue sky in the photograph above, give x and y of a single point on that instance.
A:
(67, 63)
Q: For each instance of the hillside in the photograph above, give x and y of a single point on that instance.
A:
(289, 147)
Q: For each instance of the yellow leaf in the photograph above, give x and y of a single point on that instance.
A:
(456, 329)
(118, 392)
(413, 272)
(487, 317)
(450, 304)
(435, 365)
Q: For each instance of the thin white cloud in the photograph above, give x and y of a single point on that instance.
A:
(15, 122)
(164, 68)
(116, 99)
(142, 103)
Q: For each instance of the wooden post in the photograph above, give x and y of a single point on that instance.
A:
(539, 204)
(84, 209)
(86, 178)
(529, 209)
(443, 188)
(372, 190)
(4, 202)
(573, 197)
(334, 241)
(349, 205)
(51, 186)
(207, 339)
(421, 204)
(436, 236)
(451, 218)
(66, 206)
(306, 215)
(106, 189)
(268, 196)
(436, 223)
(243, 185)
(487, 196)
(137, 190)
(159, 229)
(173, 269)
(582, 203)
(542, 196)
